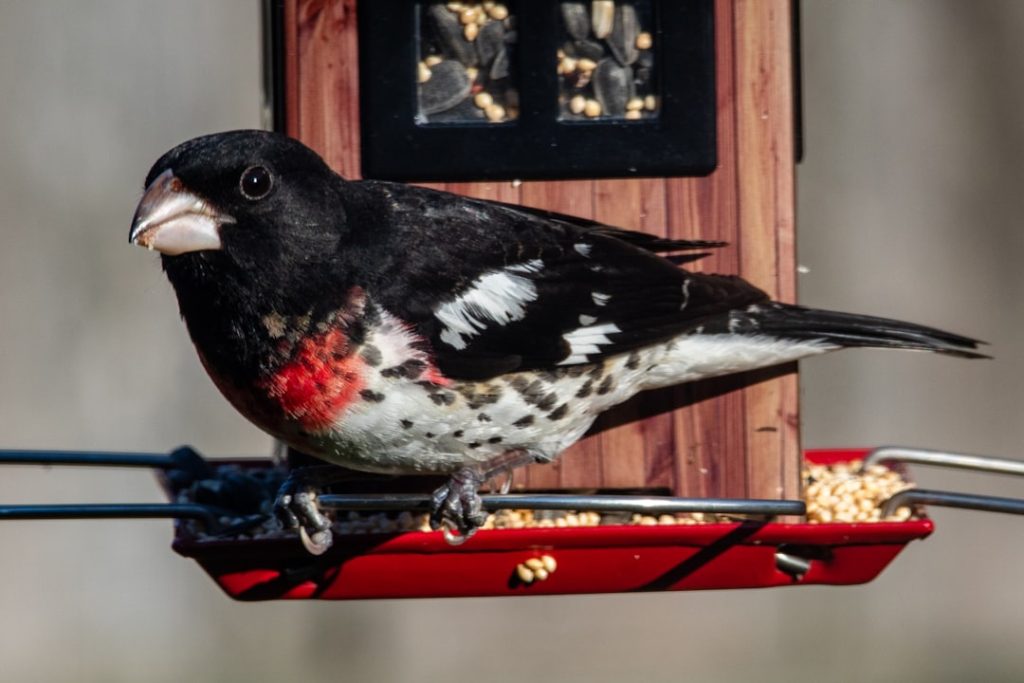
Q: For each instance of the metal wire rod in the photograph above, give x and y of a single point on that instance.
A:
(597, 503)
(111, 511)
(924, 456)
(92, 458)
(182, 465)
(951, 499)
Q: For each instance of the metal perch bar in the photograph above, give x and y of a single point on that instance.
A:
(951, 499)
(90, 458)
(923, 456)
(597, 503)
(111, 511)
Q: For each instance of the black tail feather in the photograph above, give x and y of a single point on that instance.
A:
(851, 330)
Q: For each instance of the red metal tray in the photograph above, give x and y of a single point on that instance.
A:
(605, 559)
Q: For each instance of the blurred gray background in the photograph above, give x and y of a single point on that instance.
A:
(911, 198)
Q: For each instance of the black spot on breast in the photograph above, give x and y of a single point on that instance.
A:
(406, 424)
(474, 444)
(585, 390)
(575, 370)
(559, 412)
(597, 371)
(371, 354)
(458, 433)
(356, 333)
(524, 421)
(633, 361)
(442, 398)
(491, 394)
(494, 439)
(429, 435)
(410, 369)
(371, 314)
(534, 392)
(606, 386)
(548, 401)
(372, 396)
(483, 417)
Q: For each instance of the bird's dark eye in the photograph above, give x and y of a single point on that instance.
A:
(256, 182)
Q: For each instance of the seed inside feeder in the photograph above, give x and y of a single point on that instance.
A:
(606, 57)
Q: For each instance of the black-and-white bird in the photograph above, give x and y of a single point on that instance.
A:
(392, 328)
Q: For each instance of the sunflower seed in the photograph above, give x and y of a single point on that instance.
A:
(602, 16)
(577, 23)
(613, 87)
(622, 41)
(448, 86)
(490, 41)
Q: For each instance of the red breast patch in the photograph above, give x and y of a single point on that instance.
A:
(319, 382)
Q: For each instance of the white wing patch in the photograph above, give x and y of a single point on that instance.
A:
(582, 248)
(498, 296)
(586, 341)
(686, 294)
(600, 299)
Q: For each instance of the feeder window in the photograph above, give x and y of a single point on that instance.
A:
(606, 61)
(457, 91)
(467, 67)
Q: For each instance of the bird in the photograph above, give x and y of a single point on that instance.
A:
(392, 328)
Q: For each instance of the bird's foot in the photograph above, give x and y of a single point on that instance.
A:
(296, 507)
(456, 507)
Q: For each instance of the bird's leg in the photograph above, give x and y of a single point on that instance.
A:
(456, 506)
(296, 506)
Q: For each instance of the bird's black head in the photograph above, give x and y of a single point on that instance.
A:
(247, 223)
(254, 196)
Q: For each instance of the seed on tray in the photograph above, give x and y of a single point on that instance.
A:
(534, 563)
(841, 493)
(524, 573)
(536, 569)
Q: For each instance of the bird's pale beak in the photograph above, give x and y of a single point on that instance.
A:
(173, 220)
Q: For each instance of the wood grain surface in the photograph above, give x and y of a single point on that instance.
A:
(733, 437)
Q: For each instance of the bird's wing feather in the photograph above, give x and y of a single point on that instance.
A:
(494, 289)
(644, 240)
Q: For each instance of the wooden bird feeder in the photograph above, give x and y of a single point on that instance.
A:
(709, 155)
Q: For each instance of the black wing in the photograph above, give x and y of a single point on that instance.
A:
(495, 288)
(645, 241)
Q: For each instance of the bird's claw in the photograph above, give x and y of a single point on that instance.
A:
(456, 507)
(298, 509)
